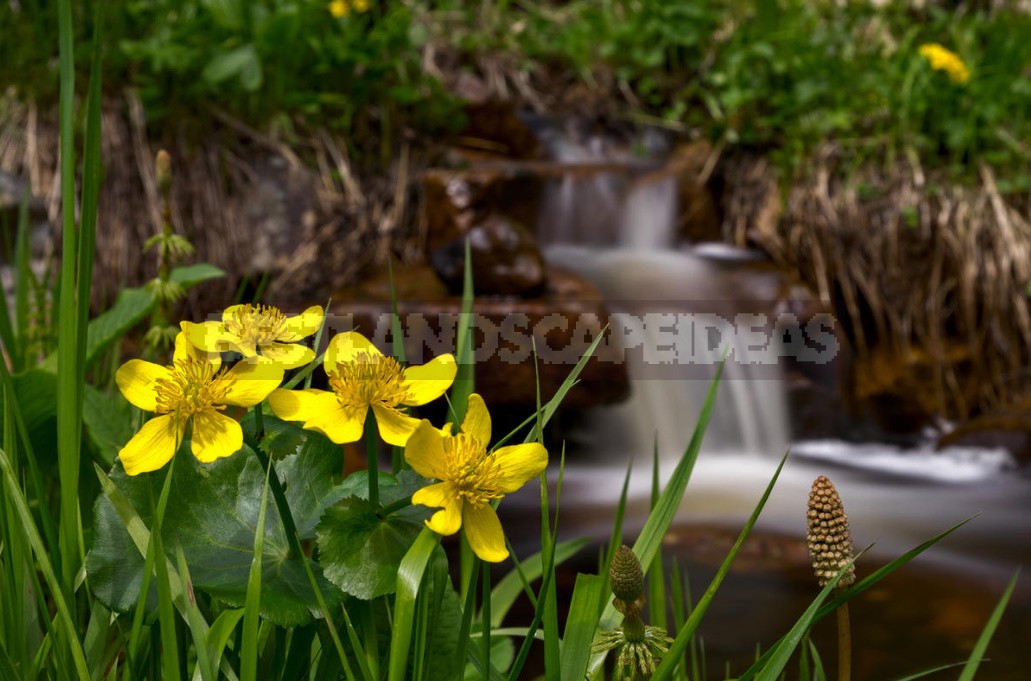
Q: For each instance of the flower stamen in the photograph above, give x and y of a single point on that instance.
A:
(369, 379)
(256, 324)
(194, 386)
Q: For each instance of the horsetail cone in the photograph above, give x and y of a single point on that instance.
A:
(829, 539)
(626, 575)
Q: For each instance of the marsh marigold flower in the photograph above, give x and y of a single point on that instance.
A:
(943, 59)
(193, 389)
(362, 377)
(253, 329)
(342, 8)
(470, 478)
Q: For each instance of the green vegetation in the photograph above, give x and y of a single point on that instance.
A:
(243, 568)
(778, 77)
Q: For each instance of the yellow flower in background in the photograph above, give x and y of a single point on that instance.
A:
(471, 478)
(250, 329)
(193, 389)
(943, 59)
(342, 8)
(362, 377)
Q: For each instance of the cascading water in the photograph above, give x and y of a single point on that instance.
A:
(616, 230)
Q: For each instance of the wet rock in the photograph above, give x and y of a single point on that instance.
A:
(280, 211)
(561, 323)
(1008, 429)
(454, 201)
(505, 260)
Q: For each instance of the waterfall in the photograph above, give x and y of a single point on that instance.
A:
(678, 309)
(616, 228)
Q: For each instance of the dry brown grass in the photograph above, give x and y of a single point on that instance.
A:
(338, 222)
(931, 276)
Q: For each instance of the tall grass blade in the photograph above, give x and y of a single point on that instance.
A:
(670, 664)
(581, 625)
(68, 429)
(650, 539)
(67, 627)
(409, 579)
(195, 621)
(507, 590)
(977, 654)
(465, 380)
(785, 648)
(252, 602)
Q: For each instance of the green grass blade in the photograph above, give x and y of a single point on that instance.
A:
(671, 661)
(195, 621)
(505, 593)
(68, 629)
(977, 654)
(581, 625)
(68, 430)
(25, 281)
(409, 579)
(465, 380)
(929, 672)
(252, 602)
(650, 539)
(785, 648)
(220, 632)
(166, 610)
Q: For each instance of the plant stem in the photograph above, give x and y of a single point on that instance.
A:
(844, 643)
(372, 459)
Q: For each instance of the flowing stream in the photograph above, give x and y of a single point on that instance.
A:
(678, 309)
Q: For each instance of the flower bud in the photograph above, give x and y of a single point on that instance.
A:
(163, 170)
(828, 538)
(626, 575)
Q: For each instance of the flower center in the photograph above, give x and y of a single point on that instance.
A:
(473, 474)
(369, 379)
(258, 324)
(194, 386)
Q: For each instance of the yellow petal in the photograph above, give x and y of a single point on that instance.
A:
(251, 381)
(434, 496)
(185, 350)
(207, 336)
(483, 530)
(344, 347)
(429, 381)
(288, 355)
(476, 423)
(214, 436)
(518, 464)
(394, 427)
(448, 519)
(424, 452)
(138, 379)
(303, 325)
(153, 446)
(320, 411)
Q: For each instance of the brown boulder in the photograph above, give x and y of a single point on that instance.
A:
(505, 260)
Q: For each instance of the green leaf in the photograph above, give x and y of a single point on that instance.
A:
(131, 307)
(241, 63)
(215, 517)
(108, 422)
(360, 551)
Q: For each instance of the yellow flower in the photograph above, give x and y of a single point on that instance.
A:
(470, 478)
(946, 60)
(194, 388)
(248, 329)
(343, 8)
(362, 377)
